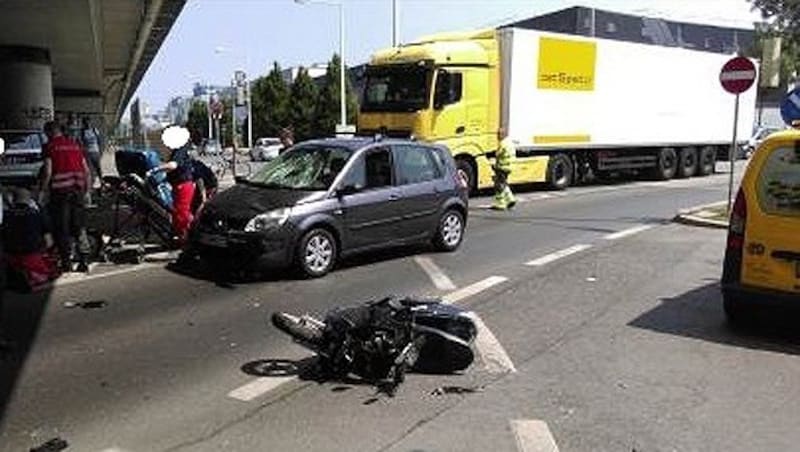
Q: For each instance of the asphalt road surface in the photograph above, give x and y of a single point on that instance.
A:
(601, 330)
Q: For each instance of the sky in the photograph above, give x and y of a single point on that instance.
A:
(212, 38)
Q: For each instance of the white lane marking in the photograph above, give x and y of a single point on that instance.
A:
(258, 387)
(472, 289)
(533, 436)
(494, 356)
(74, 278)
(548, 258)
(629, 231)
(437, 276)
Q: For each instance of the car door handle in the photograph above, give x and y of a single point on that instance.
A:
(460, 129)
(786, 255)
(394, 196)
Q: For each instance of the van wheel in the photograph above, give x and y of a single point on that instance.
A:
(666, 164)
(707, 161)
(450, 232)
(559, 172)
(316, 254)
(687, 162)
(464, 166)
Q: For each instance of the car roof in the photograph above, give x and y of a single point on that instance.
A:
(359, 142)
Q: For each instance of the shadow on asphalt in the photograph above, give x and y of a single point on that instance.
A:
(227, 275)
(698, 314)
(20, 318)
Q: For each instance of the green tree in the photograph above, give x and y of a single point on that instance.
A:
(270, 97)
(197, 121)
(783, 19)
(302, 106)
(328, 113)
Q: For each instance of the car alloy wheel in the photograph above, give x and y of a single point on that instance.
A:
(318, 253)
(451, 231)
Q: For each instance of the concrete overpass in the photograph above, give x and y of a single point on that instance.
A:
(84, 57)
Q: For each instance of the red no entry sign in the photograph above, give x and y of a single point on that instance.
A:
(737, 75)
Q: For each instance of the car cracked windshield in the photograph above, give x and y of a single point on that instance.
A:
(399, 225)
(307, 167)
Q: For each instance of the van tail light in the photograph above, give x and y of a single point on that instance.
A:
(732, 267)
(738, 221)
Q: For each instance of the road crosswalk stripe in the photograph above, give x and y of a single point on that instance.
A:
(533, 436)
(552, 257)
(494, 356)
(473, 289)
(627, 232)
(258, 387)
(437, 276)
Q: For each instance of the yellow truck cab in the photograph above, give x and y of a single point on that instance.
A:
(443, 89)
(762, 259)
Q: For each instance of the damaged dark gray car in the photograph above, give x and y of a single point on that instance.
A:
(326, 199)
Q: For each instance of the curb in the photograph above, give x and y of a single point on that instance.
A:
(689, 217)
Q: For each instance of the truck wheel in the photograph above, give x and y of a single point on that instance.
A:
(707, 161)
(687, 162)
(464, 166)
(666, 164)
(559, 172)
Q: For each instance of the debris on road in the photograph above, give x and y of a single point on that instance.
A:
(54, 445)
(444, 390)
(94, 304)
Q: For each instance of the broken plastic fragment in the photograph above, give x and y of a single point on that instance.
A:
(54, 445)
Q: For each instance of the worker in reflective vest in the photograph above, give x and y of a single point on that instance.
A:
(66, 177)
(504, 159)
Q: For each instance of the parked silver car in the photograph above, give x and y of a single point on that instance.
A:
(265, 149)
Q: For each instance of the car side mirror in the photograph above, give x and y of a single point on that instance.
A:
(346, 190)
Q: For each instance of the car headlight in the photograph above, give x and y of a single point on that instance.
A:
(269, 220)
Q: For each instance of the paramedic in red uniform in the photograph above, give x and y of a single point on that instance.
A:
(66, 177)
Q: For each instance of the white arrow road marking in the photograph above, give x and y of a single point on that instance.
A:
(437, 276)
(533, 436)
(473, 289)
(548, 258)
(494, 356)
(258, 387)
(627, 232)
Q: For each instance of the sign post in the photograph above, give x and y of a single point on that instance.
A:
(736, 77)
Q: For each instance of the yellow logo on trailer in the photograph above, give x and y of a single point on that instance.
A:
(566, 65)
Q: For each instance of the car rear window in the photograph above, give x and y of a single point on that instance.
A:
(778, 183)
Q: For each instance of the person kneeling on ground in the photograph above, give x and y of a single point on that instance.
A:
(28, 243)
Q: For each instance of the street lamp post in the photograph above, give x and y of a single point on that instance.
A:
(342, 86)
(395, 25)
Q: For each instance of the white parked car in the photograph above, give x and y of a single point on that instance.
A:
(22, 159)
(265, 149)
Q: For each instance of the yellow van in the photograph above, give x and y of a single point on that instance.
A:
(762, 259)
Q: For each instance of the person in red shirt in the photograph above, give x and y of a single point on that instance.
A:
(66, 177)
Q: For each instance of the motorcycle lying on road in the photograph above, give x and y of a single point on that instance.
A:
(381, 340)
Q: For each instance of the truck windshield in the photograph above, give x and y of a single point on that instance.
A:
(401, 88)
